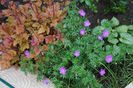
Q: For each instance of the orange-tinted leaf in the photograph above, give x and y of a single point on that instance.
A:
(8, 42)
(45, 47)
(4, 64)
(22, 41)
(37, 50)
(19, 29)
(9, 55)
(6, 12)
(41, 29)
(35, 25)
(49, 39)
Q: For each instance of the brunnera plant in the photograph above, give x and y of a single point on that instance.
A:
(28, 29)
(84, 52)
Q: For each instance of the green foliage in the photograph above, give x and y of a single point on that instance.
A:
(27, 65)
(110, 5)
(82, 70)
(115, 6)
(90, 3)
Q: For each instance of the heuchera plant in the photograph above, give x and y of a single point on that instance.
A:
(28, 29)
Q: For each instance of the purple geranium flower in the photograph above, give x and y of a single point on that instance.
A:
(46, 81)
(100, 38)
(62, 70)
(108, 58)
(105, 33)
(87, 23)
(102, 72)
(82, 12)
(27, 53)
(77, 53)
(82, 32)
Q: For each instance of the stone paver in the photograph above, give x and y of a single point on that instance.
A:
(19, 80)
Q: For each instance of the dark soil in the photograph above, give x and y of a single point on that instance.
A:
(124, 18)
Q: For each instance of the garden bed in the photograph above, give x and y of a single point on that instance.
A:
(73, 44)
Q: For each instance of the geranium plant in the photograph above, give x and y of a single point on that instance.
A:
(78, 60)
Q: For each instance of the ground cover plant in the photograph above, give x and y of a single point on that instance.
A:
(83, 58)
(79, 56)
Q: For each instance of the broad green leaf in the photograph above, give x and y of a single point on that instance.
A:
(105, 23)
(109, 49)
(113, 41)
(130, 27)
(98, 30)
(88, 2)
(116, 50)
(113, 38)
(129, 49)
(114, 21)
(115, 34)
(122, 28)
(126, 38)
(126, 41)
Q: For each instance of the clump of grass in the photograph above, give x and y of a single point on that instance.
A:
(119, 74)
